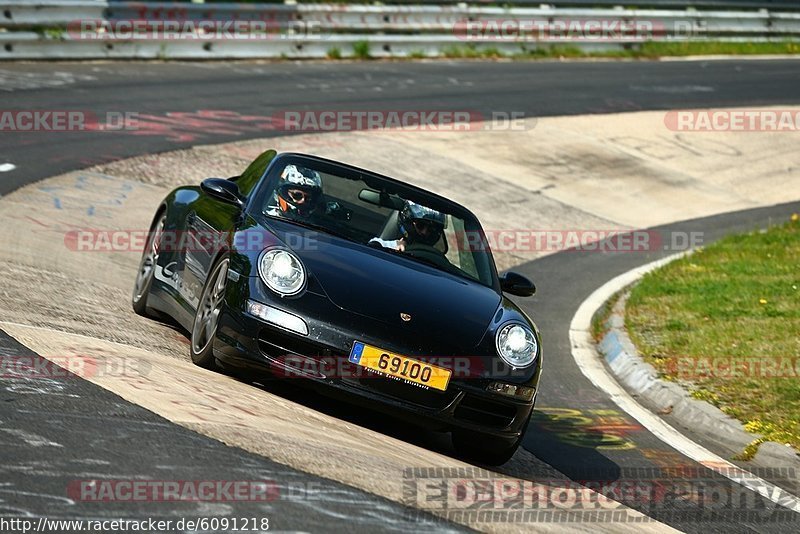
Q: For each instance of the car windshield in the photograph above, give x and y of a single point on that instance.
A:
(378, 213)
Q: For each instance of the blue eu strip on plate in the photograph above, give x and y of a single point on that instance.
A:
(355, 354)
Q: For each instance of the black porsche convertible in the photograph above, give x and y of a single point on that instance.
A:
(376, 291)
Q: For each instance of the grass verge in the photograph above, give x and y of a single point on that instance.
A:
(725, 321)
(712, 48)
(361, 50)
(648, 50)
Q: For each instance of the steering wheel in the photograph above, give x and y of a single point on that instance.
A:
(429, 254)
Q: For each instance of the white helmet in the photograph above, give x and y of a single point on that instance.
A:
(299, 190)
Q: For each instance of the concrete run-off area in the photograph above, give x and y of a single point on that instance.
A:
(560, 175)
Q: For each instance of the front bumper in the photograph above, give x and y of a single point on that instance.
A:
(319, 360)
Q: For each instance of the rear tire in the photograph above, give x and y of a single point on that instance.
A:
(206, 318)
(147, 268)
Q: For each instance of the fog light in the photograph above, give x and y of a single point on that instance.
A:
(511, 390)
(277, 317)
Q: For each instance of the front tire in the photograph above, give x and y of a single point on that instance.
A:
(147, 268)
(206, 317)
(486, 449)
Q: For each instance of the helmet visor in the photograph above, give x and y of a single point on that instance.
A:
(299, 196)
(427, 228)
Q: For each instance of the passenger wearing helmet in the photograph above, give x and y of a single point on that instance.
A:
(417, 225)
(298, 193)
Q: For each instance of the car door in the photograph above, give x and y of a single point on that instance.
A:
(210, 225)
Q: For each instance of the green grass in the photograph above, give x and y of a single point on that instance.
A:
(54, 33)
(470, 51)
(601, 316)
(334, 53)
(649, 50)
(706, 48)
(555, 51)
(656, 49)
(361, 50)
(738, 301)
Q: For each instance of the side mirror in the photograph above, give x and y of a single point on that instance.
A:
(516, 284)
(223, 190)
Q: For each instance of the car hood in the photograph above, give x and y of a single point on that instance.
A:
(381, 286)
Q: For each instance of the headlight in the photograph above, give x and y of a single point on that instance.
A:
(282, 271)
(517, 345)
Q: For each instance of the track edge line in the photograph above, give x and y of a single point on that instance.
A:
(589, 361)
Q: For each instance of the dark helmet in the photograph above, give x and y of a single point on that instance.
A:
(299, 191)
(418, 224)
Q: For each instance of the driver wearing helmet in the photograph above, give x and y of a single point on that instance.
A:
(416, 224)
(298, 194)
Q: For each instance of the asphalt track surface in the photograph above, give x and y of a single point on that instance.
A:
(535, 89)
(79, 431)
(581, 433)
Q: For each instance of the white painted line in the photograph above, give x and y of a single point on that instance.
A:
(591, 365)
(729, 57)
(7, 167)
(34, 440)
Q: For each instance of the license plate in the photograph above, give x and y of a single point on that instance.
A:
(397, 366)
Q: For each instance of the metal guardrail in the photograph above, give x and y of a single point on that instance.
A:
(390, 30)
(639, 4)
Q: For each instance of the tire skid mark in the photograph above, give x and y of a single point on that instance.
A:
(241, 415)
